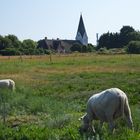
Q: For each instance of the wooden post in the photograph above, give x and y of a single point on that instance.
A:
(21, 57)
(50, 54)
(50, 57)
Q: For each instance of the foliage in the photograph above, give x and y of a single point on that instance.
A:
(111, 51)
(14, 41)
(82, 48)
(125, 37)
(109, 40)
(118, 40)
(76, 47)
(89, 48)
(135, 36)
(5, 42)
(28, 43)
(10, 45)
(10, 51)
(2, 43)
(133, 47)
(4, 103)
(28, 47)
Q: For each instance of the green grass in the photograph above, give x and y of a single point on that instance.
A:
(51, 96)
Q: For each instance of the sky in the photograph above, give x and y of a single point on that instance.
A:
(37, 19)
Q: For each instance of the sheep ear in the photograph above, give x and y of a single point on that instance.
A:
(81, 118)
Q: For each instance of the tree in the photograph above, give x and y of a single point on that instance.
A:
(104, 41)
(2, 46)
(6, 43)
(109, 40)
(9, 45)
(118, 40)
(126, 30)
(133, 47)
(28, 47)
(125, 35)
(14, 41)
(28, 43)
(114, 41)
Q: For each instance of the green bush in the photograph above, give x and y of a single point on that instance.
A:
(76, 47)
(133, 47)
(10, 51)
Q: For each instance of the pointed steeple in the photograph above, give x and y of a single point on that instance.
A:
(81, 27)
(81, 32)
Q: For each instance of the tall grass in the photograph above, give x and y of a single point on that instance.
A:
(51, 96)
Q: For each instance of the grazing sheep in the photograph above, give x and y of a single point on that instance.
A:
(7, 84)
(106, 106)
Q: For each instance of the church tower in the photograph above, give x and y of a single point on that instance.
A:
(81, 32)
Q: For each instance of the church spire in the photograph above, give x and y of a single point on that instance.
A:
(81, 32)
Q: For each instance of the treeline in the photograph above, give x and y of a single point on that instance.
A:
(128, 38)
(11, 45)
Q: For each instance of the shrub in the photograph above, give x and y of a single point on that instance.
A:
(10, 51)
(133, 47)
(76, 47)
(103, 51)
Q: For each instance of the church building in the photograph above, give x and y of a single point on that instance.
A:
(81, 33)
(64, 45)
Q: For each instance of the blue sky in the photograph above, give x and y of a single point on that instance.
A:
(36, 19)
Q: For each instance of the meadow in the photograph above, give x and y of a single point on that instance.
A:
(51, 96)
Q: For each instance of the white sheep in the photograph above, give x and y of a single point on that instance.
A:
(107, 106)
(7, 84)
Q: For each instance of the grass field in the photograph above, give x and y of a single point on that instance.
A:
(50, 97)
